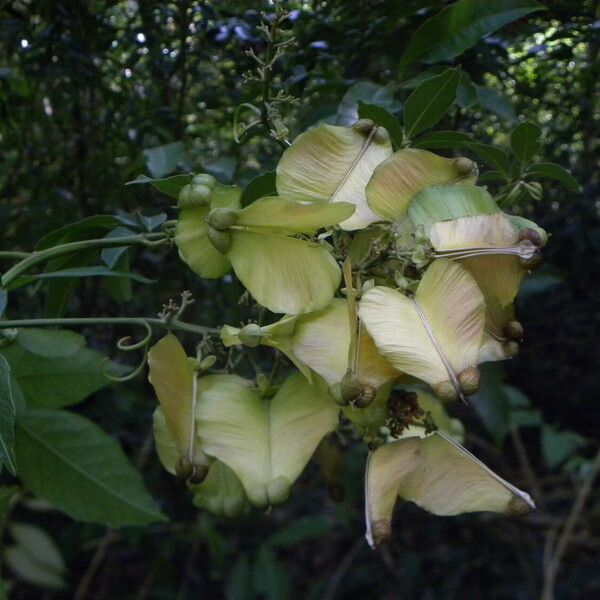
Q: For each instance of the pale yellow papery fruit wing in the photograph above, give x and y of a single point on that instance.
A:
(398, 179)
(334, 164)
(221, 493)
(195, 249)
(480, 231)
(321, 340)
(266, 443)
(286, 275)
(166, 446)
(172, 374)
(286, 215)
(455, 308)
(399, 335)
(440, 476)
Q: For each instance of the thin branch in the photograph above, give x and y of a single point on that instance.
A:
(564, 538)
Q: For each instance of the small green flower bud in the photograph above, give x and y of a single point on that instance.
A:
(219, 239)
(204, 179)
(514, 331)
(250, 335)
(535, 190)
(207, 362)
(445, 391)
(464, 166)
(222, 218)
(469, 380)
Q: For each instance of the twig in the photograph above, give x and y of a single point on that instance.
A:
(564, 538)
(342, 568)
(526, 468)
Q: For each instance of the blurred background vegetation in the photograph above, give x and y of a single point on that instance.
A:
(93, 94)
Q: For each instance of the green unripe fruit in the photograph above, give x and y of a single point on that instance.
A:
(222, 218)
(192, 195)
(204, 179)
(250, 335)
(220, 240)
(365, 398)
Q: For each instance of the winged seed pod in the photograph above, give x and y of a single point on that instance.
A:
(334, 164)
(492, 248)
(398, 179)
(438, 475)
(434, 335)
(322, 341)
(175, 381)
(266, 443)
(283, 273)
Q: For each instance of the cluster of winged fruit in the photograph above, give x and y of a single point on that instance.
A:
(428, 266)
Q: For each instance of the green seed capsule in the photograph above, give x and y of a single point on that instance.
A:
(465, 166)
(204, 179)
(222, 218)
(220, 240)
(192, 195)
(250, 335)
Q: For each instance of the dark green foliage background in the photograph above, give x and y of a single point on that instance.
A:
(98, 82)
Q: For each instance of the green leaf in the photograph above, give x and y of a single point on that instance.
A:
(430, 101)
(57, 381)
(120, 289)
(369, 92)
(8, 411)
(270, 576)
(494, 156)
(36, 557)
(525, 141)
(382, 117)
(153, 222)
(81, 470)
(3, 302)
(171, 186)
(239, 583)
(300, 530)
(460, 26)
(110, 256)
(259, 187)
(466, 92)
(557, 445)
(6, 496)
(443, 140)
(491, 402)
(94, 271)
(162, 160)
(89, 227)
(495, 102)
(554, 171)
(50, 342)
